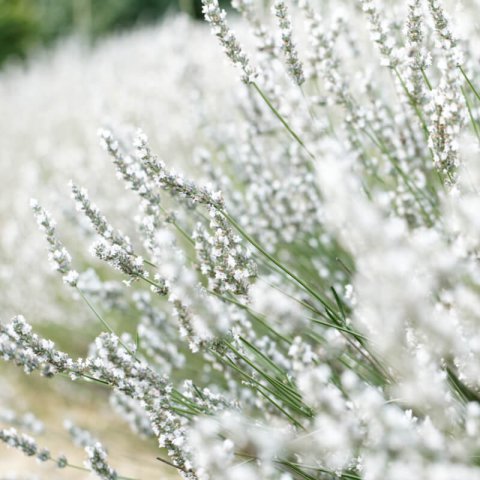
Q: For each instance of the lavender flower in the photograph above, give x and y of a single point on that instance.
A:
(295, 67)
(59, 256)
(217, 19)
(97, 462)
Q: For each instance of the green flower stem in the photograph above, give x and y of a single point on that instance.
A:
(282, 120)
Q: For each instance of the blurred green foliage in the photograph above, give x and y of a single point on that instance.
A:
(18, 28)
(28, 23)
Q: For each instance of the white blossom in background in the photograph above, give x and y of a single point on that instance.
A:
(301, 263)
(58, 254)
(84, 89)
(294, 65)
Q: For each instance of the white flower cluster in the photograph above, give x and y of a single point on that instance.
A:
(418, 57)
(380, 34)
(172, 182)
(27, 421)
(222, 258)
(305, 303)
(59, 256)
(294, 65)
(217, 19)
(120, 259)
(24, 443)
(99, 222)
(39, 162)
(29, 447)
(97, 462)
(447, 107)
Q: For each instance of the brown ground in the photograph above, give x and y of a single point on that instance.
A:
(55, 400)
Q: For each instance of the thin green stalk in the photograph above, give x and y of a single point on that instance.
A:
(295, 466)
(255, 315)
(84, 469)
(282, 120)
(103, 321)
(297, 279)
(285, 389)
(470, 84)
(305, 304)
(275, 261)
(150, 264)
(292, 419)
(467, 394)
(337, 327)
(425, 78)
(415, 192)
(259, 386)
(170, 464)
(86, 378)
(260, 354)
(413, 102)
(470, 114)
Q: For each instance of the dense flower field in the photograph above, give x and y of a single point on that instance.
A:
(288, 285)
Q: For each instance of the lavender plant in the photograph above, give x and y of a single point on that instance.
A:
(304, 301)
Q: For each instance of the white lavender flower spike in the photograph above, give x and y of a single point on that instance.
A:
(302, 302)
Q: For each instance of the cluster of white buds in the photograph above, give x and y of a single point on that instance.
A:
(26, 349)
(325, 64)
(25, 444)
(140, 382)
(380, 34)
(120, 259)
(58, 254)
(295, 67)
(133, 173)
(186, 320)
(26, 421)
(223, 260)
(216, 17)
(444, 130)
(301, 354)
(417, 56)
(97, 462)
(265, 40)
(173, 183)
(113, 365)
(447, 106)
(80, 436)
(98, 221)
(320, 43)
(130, 170)
(205, 398)
(442, 24)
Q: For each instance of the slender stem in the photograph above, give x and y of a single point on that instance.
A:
(282, 120)
(103, 321)
(337, 327)
(166, 462)
(275, 261)
(470, 114)
(425, 78)
(470, 84)
(413, 102)
(84, 469)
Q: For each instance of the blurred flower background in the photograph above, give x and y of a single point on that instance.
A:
(69, 67)
(282, 281)
(25, 25)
